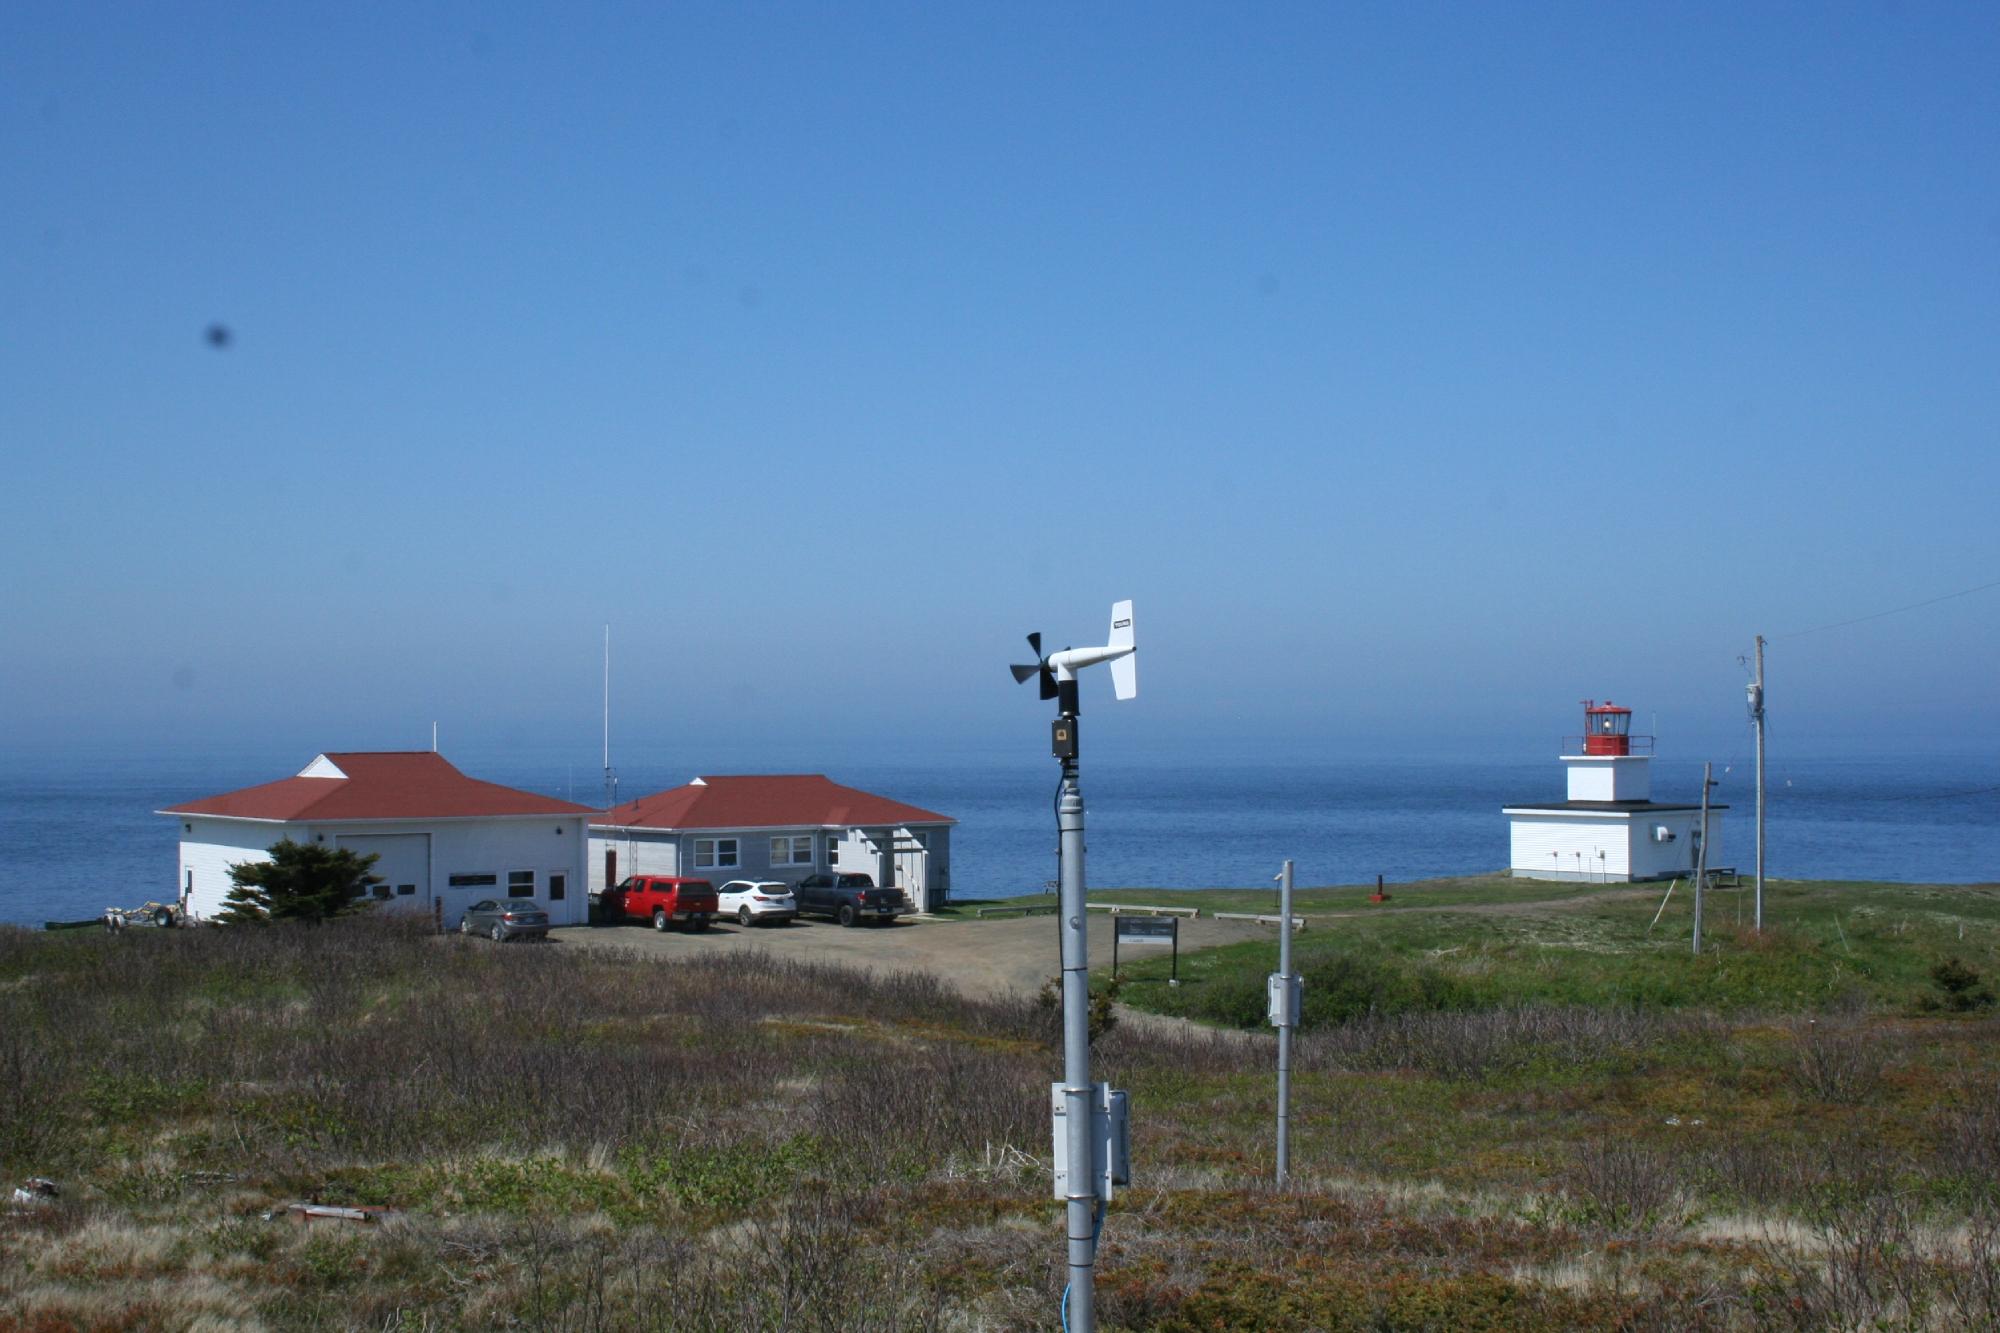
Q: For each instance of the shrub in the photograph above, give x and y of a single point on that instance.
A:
(1835, 1061)
(1626, 1187)
(1961, 990)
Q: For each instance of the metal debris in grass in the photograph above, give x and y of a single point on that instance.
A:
(311, 1214)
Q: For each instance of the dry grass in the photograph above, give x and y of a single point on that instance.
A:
(590, 1141)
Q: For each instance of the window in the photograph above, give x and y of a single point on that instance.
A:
(714, 853)
(520, 884)
(833, 849)
(558, 888)
(472, 881)
(406, 890)
(795, 850)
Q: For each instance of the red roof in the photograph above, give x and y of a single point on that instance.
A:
(794, 800)
(414, 784)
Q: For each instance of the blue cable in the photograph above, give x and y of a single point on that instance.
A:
(1096, 1225)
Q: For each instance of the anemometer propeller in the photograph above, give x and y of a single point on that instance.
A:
(1057, 671)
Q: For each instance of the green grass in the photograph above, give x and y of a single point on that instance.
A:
(1541, 1118)
(1825, 945)
(1430, 893)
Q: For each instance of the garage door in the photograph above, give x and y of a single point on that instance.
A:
(404, 866)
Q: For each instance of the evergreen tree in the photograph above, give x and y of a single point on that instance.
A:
(303, 881)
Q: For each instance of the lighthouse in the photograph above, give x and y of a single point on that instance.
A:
(1609, 830)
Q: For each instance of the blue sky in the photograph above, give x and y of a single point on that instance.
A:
(1418, 370)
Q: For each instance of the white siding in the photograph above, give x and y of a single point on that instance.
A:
(640, 852)
(402, 860)
(1547, 845)
(544, 844)
(496, 846)
(1661, 860)
(209, 847)
(1609, 777)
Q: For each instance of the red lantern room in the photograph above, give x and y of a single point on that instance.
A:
(1607, 728)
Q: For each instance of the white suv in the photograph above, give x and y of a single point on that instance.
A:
(752, 901)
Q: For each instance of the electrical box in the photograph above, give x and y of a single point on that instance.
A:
(1286, 995)
(1062, 738)
(1110, 1139)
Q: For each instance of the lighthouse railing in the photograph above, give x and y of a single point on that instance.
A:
(1634, 745)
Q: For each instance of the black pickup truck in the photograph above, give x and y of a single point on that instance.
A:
(848, 898)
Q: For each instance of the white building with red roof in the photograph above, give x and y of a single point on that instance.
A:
(444, 840)
(774, 827)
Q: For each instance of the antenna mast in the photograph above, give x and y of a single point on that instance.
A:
(1701, 855)
(610, 779)
(1757, 716)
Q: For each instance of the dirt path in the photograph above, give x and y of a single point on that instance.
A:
(1016, 954)
(1012, 955)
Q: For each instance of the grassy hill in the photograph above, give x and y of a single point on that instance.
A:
(1550, 1119)
(1841, 946)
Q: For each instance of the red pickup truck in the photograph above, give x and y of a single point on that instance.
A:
(661, 899)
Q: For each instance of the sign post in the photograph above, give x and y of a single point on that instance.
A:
(1147, 930)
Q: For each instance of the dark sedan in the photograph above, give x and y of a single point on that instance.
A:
(505, 919)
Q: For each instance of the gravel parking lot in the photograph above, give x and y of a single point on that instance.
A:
(992, 957)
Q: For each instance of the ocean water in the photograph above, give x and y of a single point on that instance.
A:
(78, 832)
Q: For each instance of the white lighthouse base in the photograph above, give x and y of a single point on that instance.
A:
(1607, 842)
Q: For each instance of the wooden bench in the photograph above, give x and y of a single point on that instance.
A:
(1263, 918)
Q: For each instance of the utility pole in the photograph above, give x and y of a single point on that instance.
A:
(1701, 856)
(1757, 716)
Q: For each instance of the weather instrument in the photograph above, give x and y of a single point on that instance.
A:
(1090, 1126)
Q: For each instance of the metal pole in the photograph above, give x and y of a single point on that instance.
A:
(1285, 1029)
(1757, 713)
(1701, 859)
(1082, 1197)
(610, 784)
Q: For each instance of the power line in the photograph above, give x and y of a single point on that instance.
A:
(1893, 611)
